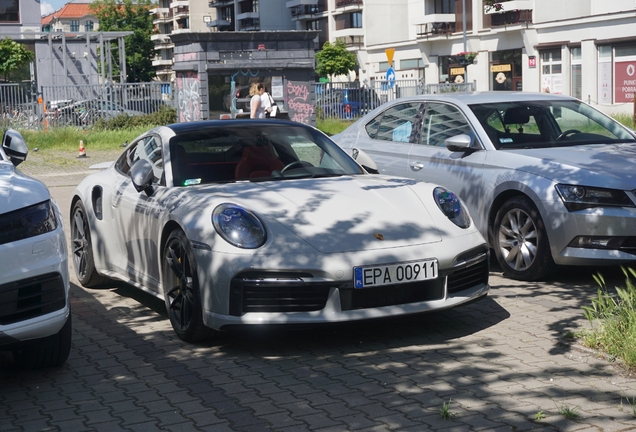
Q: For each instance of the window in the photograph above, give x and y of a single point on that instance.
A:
(88, 26)
(148, 148)
(74, 25)
(9, 11)
(576, 72)
(551, 78)
(396, 124)
(444, 6)
(441, 122)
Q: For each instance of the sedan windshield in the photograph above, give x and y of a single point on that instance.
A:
(256, 152)
(548, 123)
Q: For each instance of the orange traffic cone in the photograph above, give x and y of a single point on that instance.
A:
(82, 150)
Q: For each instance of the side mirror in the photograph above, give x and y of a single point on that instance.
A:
(459, 143)
(14, 146)
(365, 160)
(141, 174)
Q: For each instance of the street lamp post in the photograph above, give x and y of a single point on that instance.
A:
(464, 22)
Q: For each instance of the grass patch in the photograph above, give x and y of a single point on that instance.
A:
(68, 138)
(613, 319)
(445, 410)
(332, 126)
(625, 120)
(567, 412)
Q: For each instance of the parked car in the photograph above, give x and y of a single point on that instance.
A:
(35, 314)
(548, 179)
(270, 222)
(349, 103)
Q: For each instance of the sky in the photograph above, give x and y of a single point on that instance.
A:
(50, 6)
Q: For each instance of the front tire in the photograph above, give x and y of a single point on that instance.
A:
(520, 241)
(83, 261)
(181, 289)
(50, 351)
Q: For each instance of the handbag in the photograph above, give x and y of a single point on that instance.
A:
(274, 108)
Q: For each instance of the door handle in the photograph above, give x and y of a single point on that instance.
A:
(416, 166)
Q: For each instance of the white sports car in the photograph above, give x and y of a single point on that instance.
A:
(35, 315)
(268, 221)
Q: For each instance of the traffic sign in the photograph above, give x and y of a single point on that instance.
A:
(390, 77)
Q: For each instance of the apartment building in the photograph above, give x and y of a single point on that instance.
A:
(175, 17)
(583, 48)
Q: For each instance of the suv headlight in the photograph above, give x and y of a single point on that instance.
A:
(27, 222)
(577, 197)
(452, 207)
(238, 226)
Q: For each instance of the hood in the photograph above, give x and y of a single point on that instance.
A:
(344, 214)
(602, 165)
(17, 190)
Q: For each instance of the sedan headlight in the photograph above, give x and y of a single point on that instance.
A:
(577, 197)
(238, 226)
(452, 207)
(27, 222)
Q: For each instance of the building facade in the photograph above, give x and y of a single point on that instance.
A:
(582, 48)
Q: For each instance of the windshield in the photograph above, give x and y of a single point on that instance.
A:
(256, 152)
(548, 123)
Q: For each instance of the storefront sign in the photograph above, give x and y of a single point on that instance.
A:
(532, 62)
(501, 68)
(457, 71)
(625, 84)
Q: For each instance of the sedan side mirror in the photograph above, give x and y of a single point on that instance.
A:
(365, 160)
(14, 146)
(142, 175)
(459, 143)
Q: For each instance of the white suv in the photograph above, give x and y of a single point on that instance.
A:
(35, 314)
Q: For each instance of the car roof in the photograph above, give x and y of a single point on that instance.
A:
(187, 127)
(471, 98)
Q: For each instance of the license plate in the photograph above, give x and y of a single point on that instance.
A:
(373, 276)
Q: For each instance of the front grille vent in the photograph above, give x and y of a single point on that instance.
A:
(30, 298)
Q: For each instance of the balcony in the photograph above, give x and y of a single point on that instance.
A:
(182, 12)
(181, 30)
(161, 62)
(162, 18)
(247, 16)
(249, 24)
(436, 25)
(295, 3)
(509, 6)
(347, 3)
(509, 18)
(158, 10)
(352, 41)
(220, 23)
(348, 33)
(160, 38)
(176, 4)
(219, 3)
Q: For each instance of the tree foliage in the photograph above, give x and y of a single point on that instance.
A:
(13, 56)
(126, 15)
(334, 59)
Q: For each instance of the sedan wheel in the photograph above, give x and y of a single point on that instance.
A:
(520, 241)
(83, 249)
(181, 290)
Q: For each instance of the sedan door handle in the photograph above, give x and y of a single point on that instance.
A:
(416, 166)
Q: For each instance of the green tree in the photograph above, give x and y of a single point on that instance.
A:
(13, 56)
(126, 15)
(334, 59)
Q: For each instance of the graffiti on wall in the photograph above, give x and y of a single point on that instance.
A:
(188, 96)
(299, 106)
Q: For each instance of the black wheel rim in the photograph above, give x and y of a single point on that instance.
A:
(518, 239)
(180, 294)
(80, 243)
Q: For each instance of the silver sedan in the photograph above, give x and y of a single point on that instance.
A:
(547, 179)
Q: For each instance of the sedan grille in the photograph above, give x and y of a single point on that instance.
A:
(468, 277)
(31, 298)
(629, 246)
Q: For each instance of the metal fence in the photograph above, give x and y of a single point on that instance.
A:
(79, 105)
(18, 106)
(351, 101)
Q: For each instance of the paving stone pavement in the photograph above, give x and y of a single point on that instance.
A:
(497, 363)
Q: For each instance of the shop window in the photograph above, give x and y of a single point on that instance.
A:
(9, 11)
(506, 71)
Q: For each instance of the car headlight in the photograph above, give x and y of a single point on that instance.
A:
(577, 197)
(27, 222)
(452, 207)
(238, 226)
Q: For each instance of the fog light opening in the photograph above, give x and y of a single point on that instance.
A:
(595, 242)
